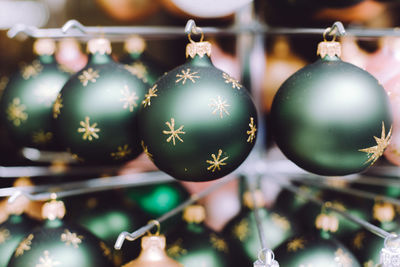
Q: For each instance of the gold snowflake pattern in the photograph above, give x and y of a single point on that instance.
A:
(89, 131)
(146, 150)
(218, 243)
(128, 98)
(187, 75)
(88, 75)
(122, 152)
(217, 162)
(280, 221)
(42, 138)
(229, 79)
(3, 84)
(147, 97)
(176, 250)
(25, 245)
(359, 240)
(4, 235)
(370, 263)
(31, 70)
(138, 69)
(220, 106)
(71, 238)
(106, 250)
(296, 244)
(46, 93)
(16, 112)
(47, 261)
(241, 230)
(375, 152)
(252, 131)
(57, 106)
(342, 258)
(172, 132)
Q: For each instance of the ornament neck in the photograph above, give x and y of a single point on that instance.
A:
(195, 227)
(53, 223)
(329, 58)
(47, 59)
(135, 55)
(15, 219)
(198, 61)
(99, 59)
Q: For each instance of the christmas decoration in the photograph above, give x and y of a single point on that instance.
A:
(331, 117)
(26, 104)
(128, 10)
(193, 244)
(352, 53)
(96, 111)
(70, 56)
(197, 123)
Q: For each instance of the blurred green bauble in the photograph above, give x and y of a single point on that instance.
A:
(11, 234)
(197, 123)
(96, 111)
(26, 105)
(331, 117)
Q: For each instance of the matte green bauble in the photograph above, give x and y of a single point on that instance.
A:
(313, 250)
(331, 117)
(138, 61)
(26, 105)
(96, 111)
(197, 123)
(11, 234)
(289, 203)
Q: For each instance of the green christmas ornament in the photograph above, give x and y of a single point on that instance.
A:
(138, 61)
(197, 123)
(26, 105)
(96, 111)
(331, 117)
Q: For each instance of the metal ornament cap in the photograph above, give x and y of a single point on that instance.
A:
(99, 45)
(135, 44)
(44, 47)
(53, 210)
(331, 49)
(198, 48)
(390, 254)
(194, 214)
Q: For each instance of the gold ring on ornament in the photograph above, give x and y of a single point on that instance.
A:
(157, 225)
(196, 30)
(328, 31)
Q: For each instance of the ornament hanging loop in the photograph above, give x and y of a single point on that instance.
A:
(192, 28)
(157, 225)
(329, 31)
(266, 258)
(391, 252)
(337, 29)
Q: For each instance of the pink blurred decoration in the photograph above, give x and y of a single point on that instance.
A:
(352, 53)
(69, 54)
(225, 61)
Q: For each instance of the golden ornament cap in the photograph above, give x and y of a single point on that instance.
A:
(327, 222)
(198, 48)
(135, 44)
(54, 209)
(194, 214)
(330, 49)
(99, 45)
(153, 254)
(248, 199)
(383, 211)
(44, 47)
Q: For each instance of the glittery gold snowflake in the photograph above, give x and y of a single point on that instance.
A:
(228, 79)
(146, 150)
(359, 240)
(4, 235)
(280, 221)
(25, 245)
(217, 162)
(296, 244)
(138, 69)
(218, 243)
(186, 75)
(57, 106)
(128, 98)
(176, 250)
(88, 75)
(71, 238)
(31, 70)
(219, 105)
(241, 230)
(152, 93)
(16, 112)
(122, 152)
(342, 258)
(370, 263)
(41, 137)
(47, 261)
(252, 131)
(45, 93)
(172, 132)
(376, 151)
(89, 131)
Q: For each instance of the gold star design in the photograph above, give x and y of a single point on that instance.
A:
(173, 133)
(71, 238)
(138, 69)
(57, 106)
(25, 245)
(146, 150)
(47, 261)
(46, 93)
(89, 131)
(4, 235)
(252, 131)
(41, 137)
(376, 151)
(296, 244)
(176, 249)
(280, 221)
(121, 153)
(152, 93)
(106, 250)
(219, 105)
(241, 230)
(128, 98)
(31, 70)
(88, 75)
(218, 243)
(342, 258)
(216, 163)
(16, 112)
(358, 240)
(186, 75)
(3, 84)
(229, 79)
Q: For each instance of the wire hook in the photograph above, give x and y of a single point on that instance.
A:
(21, 28)
(73, 24)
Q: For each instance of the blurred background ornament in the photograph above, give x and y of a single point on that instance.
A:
(70, 56)
(128, 10)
